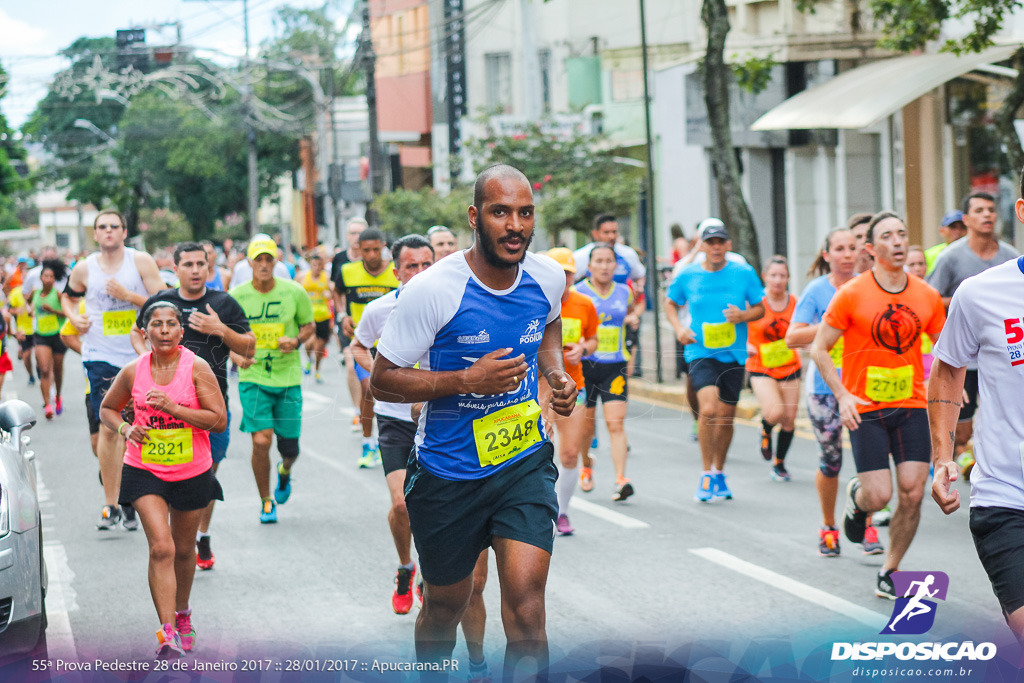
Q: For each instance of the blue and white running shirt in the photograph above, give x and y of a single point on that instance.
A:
(446, 319)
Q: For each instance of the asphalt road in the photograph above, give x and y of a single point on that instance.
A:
(639, 579)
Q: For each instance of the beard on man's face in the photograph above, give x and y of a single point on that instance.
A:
(489, 248)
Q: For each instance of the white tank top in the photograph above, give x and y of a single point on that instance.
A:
(108, 338)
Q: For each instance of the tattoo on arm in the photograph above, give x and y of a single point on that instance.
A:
(942, 400)
(952, 437)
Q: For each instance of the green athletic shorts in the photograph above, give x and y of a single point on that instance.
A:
(277, 408)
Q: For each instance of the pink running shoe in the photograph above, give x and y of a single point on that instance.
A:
(187, 633)
(170, 643)
(563, 526)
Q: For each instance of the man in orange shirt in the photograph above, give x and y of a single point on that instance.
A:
(579, 339)
(881, 315)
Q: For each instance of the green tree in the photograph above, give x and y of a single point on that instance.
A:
(402, 212)
(12, 155)
(575, 176)
(80, 154)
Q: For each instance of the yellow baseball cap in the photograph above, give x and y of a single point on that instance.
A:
(262, 246)
(564, 258)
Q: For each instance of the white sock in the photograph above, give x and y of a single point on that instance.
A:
(410, 566)
(565, 486)
(368, 441)
(199, 536)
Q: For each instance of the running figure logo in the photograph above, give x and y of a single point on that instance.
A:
(914, 613)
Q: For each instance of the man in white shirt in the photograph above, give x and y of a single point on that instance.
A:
(627, 262)
(984, 326)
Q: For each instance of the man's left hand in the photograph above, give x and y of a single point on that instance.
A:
(563, 392)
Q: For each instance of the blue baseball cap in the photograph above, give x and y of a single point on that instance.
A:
(952, 217)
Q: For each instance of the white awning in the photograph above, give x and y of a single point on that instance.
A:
(863, 96)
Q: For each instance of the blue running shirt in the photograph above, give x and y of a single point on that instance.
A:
(708, 294)
(810, 307)
(445, 320)
(611, 312)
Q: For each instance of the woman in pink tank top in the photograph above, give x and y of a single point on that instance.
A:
(173, 402)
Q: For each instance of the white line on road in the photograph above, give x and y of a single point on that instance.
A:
(617, 518)
(60, 596)
(793, 587)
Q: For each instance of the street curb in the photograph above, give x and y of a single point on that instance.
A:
(675, 394)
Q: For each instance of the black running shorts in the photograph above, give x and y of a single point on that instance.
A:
(397, 438)
(453, 521)
(903, 432)
(323, 330)
(606, 381)
(194, 493)
(711, 372)
(999, 538)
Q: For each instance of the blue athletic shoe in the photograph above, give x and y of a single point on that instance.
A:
(593, 442)
(721, 489)
(284, 485)
(706, 489)
(370, 457)
(268, 512)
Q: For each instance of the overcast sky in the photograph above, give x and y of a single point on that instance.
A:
(33, 31)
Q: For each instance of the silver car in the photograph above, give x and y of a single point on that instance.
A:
(22, 570)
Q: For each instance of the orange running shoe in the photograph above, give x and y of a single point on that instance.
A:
(401, 600)
(586, 479)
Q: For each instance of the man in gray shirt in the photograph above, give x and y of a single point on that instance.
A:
(980, 250)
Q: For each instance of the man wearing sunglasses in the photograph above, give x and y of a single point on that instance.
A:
(115, 281)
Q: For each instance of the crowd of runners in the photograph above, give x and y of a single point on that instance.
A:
(476, 375)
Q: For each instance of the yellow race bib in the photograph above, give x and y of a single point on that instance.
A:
(608, 339)
(116, 323)
(48, 324)
(506, 433)
(836, 354)
(267, 334)
(888, 385)
(24, 321)
(168, 447)
(776, 354)
(926, 344)
(572, 330)
(718, 335)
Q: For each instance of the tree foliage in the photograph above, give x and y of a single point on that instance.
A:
(402, 212)
(575, 175)
(12, 185)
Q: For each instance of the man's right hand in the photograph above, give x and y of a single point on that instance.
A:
(945, 475)
(848, 412)
(686, 336)
(494, 374)
(80, 323)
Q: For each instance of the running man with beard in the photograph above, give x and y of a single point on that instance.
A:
(482, 325)
(881, 315)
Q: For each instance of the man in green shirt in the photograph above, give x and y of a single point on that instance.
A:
(269, 384)
(951, 230)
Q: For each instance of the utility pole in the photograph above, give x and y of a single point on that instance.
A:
(652, 240)
(334, 173)
(369, 65)
(254, 187)
(530, 76)
(250, 131)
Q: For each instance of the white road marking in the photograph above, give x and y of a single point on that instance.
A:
(60, 596)
(793, 587)
(616, 518)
